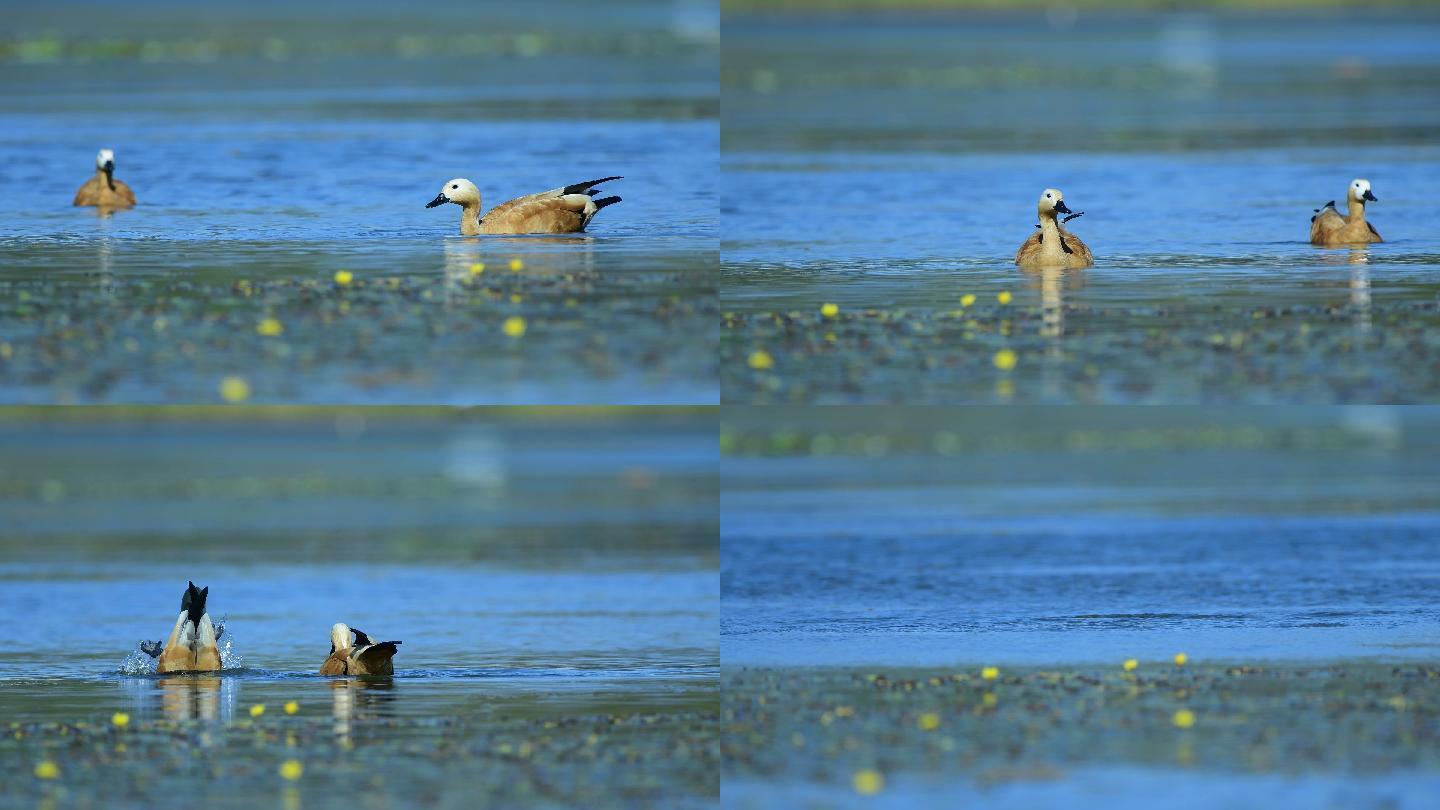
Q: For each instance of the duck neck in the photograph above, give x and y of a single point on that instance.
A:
(1049, 230)
(1357, 209)
(470, 219)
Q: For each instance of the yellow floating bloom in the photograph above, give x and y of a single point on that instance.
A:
(120, 719)
(1004, 297)
(47, 770)
(257, 710)
(990, 699)
(1184, 718)
(514, 326)
(1181, 659)
(1130, 664)
(292, 769)
(929, 721)
(292, 707)
(990, 673)
(270, 327)
(967, 299)
(344, 277)
(516, 265)
(477, 268)
(234, 389)
(868, 782)
(761, 360)
(1005, 359)
(829, 310)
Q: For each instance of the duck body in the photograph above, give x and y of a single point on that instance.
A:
(560, 210)
(1329, 227)
(193, 643)
(362, 657)
(1052, 245)
(103, 190)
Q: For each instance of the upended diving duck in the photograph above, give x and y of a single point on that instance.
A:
(362, 657)
(560, 210)
(1052, 245)
(1329, 227)
(103, 190)
(192, 646)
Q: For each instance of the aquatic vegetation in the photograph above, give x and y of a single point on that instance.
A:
(916, 726)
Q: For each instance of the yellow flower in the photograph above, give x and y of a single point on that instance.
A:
(343, 277)
(868, 782)
(1004, 297)
(1183, 718)
(1181, 659)
(929, 721)
(967, 299)
(257, 710)
(1130, 664)
(990, 673)
(47, 770)
(292, 707)
(292, 769)
(1005, 359)
(514, 326)
(120, 719)
(990, 699)
(234, 389)
(761, 360)
(516, 265)
(477, 268)
(270, 327)
(829, 310)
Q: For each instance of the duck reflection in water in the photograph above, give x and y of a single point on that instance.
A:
(354, 699)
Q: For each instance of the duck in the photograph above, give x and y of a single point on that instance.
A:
(560, 210)
(363, 657)
(1329, 227)
(1052, 245)
(103, 189)
(193, 643)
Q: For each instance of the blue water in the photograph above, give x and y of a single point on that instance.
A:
(1265, 544)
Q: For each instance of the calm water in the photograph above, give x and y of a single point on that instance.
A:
(271, 149)
(1248, 545)
(1197, 147)
(541, 571)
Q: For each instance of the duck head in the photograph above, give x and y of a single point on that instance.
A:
(339, 637)
(1360, 191)
(105, 162)
(459, 191)
(1052, 201)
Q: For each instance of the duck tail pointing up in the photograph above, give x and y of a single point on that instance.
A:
(601, 203)
(193, 602)
(584, 188)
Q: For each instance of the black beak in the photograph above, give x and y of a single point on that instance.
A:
(440, 199)
(109, 169)
(1062, 207)
(1368, 196)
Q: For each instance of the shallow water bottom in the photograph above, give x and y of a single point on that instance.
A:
(1211, 734)
(232, 741)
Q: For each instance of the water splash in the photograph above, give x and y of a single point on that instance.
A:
(230, 658)
(138, 662)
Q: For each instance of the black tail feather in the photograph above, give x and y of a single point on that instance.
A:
(193, 602)
(584, 188)
(601, 203)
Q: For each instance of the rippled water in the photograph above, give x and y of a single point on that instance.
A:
(544, 571)
(271, 149)
(898, 179)
(1231, 548)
